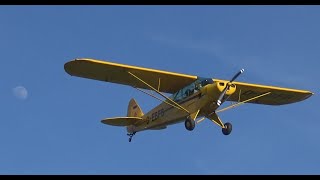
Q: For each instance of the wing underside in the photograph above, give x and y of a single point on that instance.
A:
(278, 95)
(168, 82)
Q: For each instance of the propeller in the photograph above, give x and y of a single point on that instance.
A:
(219, 102)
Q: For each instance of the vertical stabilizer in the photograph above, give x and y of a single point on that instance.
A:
(134, 109)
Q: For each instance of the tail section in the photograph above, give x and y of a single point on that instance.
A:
(134, 109)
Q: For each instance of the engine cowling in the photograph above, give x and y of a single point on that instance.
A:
(222, 85)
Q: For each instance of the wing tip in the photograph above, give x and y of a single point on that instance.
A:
(309, 94)
(69, 66)
(104, 121)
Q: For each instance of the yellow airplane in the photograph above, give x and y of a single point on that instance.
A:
(193, 98)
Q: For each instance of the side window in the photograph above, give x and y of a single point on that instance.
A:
(189, 90)
(179, 95)
(197, 86)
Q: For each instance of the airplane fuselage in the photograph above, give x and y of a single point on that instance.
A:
(164, 114)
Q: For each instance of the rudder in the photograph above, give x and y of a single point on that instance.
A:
(134, 109)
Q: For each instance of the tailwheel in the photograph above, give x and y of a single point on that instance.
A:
(130, 136)
(189, 124)
(227, 128)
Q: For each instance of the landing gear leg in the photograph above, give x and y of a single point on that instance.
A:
(131, 135)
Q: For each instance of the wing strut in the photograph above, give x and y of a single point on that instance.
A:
(234, 105)
(158, 98)
(239, 103)
(155, 90)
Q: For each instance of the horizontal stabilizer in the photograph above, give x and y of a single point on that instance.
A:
(121, 121)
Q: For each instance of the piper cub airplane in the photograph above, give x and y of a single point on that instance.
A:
(193, 98)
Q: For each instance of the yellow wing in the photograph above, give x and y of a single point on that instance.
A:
(170, 82)
(278, 95)
(121, 121)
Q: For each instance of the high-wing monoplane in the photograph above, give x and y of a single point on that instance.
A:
(192, 99)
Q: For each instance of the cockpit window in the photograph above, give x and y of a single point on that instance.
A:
(191, 88)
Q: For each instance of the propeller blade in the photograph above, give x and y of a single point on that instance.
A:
(236, 76)
(221, 96)
(219, 101)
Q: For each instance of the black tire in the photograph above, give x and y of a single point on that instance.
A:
(189, 124)
(228, 128)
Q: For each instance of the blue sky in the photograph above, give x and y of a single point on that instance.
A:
(55, 128)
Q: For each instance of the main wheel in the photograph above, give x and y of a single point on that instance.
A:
(228, 128)
(189, 124)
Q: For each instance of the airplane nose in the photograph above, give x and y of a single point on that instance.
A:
(214, 90)
(222, 85)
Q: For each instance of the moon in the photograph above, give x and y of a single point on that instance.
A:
(20, 92)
